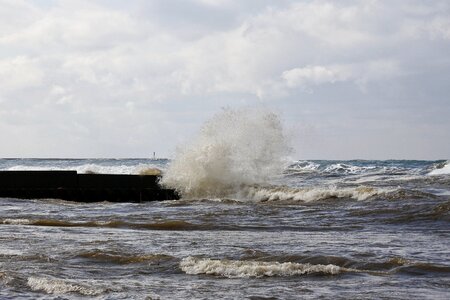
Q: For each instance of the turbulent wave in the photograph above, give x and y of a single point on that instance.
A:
(256, 268)
(337, 168)
(57, 223)
(17, 221)
(309, 194)
(121, 258)
(303, 167)
(342, 168)
(234, 148)
(368, 167)
(243, 269)
(60, 286)
(162, 225)
(441, 169)
(89, 168)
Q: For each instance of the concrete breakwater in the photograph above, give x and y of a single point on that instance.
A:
(69, 185)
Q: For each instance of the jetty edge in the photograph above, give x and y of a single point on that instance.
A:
(71, 186)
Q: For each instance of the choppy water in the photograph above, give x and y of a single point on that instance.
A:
(322, 229)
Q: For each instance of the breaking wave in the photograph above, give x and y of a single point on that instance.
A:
(235, 148)
(161, 225)
(309, 194)
(17, 221)
(441, 169)
(361, 167)
(342, 168)
(303, 166)
(89, 168)
(244, 269)
(60, 286)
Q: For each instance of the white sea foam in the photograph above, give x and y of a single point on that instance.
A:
(441, 171)
(10, 252)
(59, 286)
(348, 169)
(234, 148)
(243, 269)
(16, 221)
(308, 194)
(88, 168)
(303, 166)
(120, 169)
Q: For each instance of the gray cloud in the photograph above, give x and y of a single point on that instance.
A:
(365, 79)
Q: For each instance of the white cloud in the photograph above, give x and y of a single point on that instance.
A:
(213, 2)
(314, 75)
(16, 14)
(78, 25)
(95, 60)
(440, 28)
(112, 49)
(19, 73)
(359, 73)
(59, 95)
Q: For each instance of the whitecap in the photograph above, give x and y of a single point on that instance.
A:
(303, 166)
(444, 170)
(244, 269)
(308, 194)
(10, 252)
(90, 168)
(59, 286)
(17, 221)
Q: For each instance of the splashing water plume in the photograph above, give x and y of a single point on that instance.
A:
(235, 148)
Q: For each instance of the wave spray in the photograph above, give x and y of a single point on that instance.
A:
(236, 148)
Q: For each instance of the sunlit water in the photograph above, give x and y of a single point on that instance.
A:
(322, 229)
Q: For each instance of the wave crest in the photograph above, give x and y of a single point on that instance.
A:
(16, 221)
(60, 286)
(94, 168)
(244, 269)
(234, 148)
(124, 258)
(308, 194)
(441, 169)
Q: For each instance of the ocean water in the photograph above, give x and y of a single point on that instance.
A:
(253, 223)
(319, 229)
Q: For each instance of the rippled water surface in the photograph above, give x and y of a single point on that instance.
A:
(323, 229)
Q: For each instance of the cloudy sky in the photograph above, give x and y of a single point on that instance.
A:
(110, 78)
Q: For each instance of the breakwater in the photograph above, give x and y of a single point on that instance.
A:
(69, 185)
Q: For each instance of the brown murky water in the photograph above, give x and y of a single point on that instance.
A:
(376, 233)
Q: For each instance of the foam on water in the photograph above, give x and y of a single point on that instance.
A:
(244, 269)
(347, 169)
(362, 167)
(309, 194)
(234, 149)
(303, 167)
(441, 170)
(89, 168)
(10, 252)
(59, 286)
(17, 221)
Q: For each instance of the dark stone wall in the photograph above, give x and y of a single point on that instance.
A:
(68, 185)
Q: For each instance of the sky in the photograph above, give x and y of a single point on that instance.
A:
(110, 78)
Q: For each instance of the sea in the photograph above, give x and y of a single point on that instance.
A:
(253, 222)
(320, 229)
